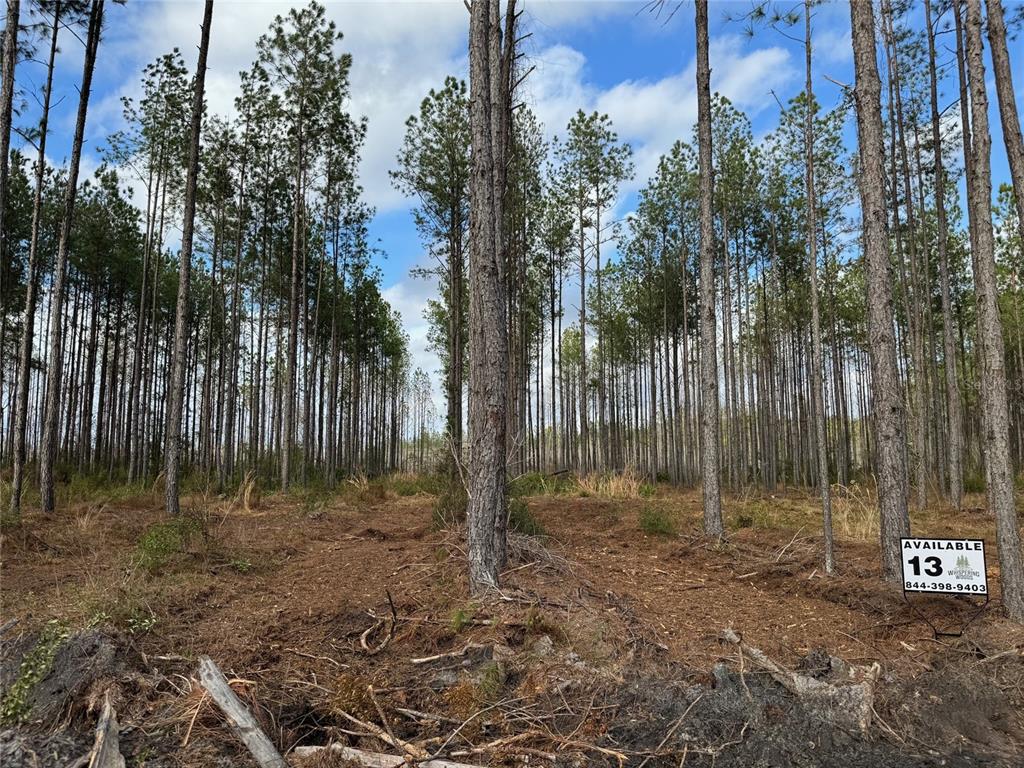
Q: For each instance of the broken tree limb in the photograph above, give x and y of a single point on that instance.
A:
(363, 638)
(375, 759)
(451, 655)
(239, 718)
(410, 749)
(842, 704)
(415, 714)
(106, 752)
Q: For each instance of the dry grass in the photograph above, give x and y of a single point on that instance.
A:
(360, 482)
(248, 496)
(624, 485)
(855, 512)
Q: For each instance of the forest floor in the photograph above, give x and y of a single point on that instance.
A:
(604, 647)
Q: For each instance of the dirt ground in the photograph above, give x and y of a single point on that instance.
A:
(603, 647)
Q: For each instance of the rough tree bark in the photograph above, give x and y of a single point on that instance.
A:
(992, 376)
(10, 58)
(713, 525)
(1008, 115)
(172, 434)
(51, 406)
(502, 52)
(817, 382)
(488, 335)
(31, 286)
(887, 410)
(954, 413)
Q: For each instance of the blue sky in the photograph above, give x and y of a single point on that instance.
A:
(589, 54)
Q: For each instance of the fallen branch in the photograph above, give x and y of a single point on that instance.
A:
(451, 655)
(8, 625)
(410, 749)
(415, 714)
(106, 752)
(297, 652)
(374, 759)
(239, 718)
(363, 638)
(671, 731)
(847, 704)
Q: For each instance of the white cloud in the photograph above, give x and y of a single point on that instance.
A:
(832, 46)
(409, 298)
(399, 49)
(652, 114)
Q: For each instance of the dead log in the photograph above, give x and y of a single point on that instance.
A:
(239, 718)
(375, 759)
(849, 705)
(106, 752)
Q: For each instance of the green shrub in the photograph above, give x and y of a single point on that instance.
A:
(14, 707)
(140, 622)
(521, 520)
(743, 520)
(462, 618)
(974, 483)
(491, 681)
(405, 484)
(162, 541)
(655, 521)
(540, 484)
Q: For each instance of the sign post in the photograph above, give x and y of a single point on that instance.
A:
(944, 567)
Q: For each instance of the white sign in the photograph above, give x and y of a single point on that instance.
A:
(948, 566)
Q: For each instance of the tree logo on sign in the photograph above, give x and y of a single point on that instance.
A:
(963, 569)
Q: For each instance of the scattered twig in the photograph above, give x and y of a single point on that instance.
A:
(415, 714)
(297, 652)
(380, 713)
(410, 749)
(782, 551)
(192, 722)
(451, 655)
(466, 722)
(363, 638)
(671, 731)
(743, 677)
(1002, 654)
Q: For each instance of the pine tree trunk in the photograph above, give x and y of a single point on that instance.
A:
(31, 285)
(1009, 116)
(10, 59)
(228, 459)
(51, 406)
(291, 363)
(713, 525)
(992, 376)
(887, 407)
(954, 415)
(176, 395)
(488, 336)
(817, 382)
